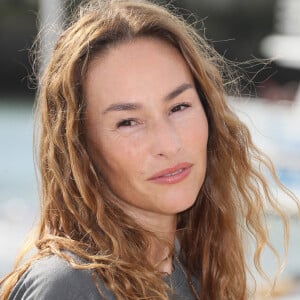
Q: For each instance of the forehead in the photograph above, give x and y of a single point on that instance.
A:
(141, 68)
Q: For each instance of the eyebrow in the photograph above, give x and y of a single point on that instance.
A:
(179, 90)
(122, 106)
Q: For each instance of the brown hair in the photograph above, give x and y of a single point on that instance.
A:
(78, 213)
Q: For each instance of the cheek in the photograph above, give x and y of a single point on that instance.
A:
(120, 159)
(194, 132)
(117, 158)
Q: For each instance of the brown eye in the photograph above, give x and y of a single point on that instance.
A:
(126, 123)
(180, 107)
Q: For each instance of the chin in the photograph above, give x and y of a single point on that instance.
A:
(178, 206)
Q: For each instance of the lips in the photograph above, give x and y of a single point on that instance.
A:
(172, 175)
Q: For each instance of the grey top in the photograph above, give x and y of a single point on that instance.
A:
(53, 278)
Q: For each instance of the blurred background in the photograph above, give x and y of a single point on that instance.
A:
(239, 30)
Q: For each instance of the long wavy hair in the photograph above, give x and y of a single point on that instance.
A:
(80, 215)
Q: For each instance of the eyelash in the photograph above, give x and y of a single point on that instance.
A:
(176, 108)
(125, 123)
(184, 105)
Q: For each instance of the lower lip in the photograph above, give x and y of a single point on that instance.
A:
(173, 178)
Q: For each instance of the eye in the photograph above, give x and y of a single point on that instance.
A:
(127, 123)
(179, 107)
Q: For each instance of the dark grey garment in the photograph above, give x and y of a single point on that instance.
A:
(52, 278)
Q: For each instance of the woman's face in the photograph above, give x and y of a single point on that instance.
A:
(146, 128)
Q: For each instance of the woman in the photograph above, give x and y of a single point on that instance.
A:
(149, 181)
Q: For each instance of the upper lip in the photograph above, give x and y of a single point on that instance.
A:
(171, 170)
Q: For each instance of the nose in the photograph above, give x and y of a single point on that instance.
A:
(165, 139)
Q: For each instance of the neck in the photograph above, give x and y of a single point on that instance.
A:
(164, 227)
(161, 248)
(161, 255)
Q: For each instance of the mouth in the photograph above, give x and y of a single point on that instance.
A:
(172, 175)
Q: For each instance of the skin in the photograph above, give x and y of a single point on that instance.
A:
(158, 122)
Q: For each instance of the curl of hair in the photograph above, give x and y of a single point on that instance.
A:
(80, 215)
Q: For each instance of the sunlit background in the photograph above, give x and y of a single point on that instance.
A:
(239, 30)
